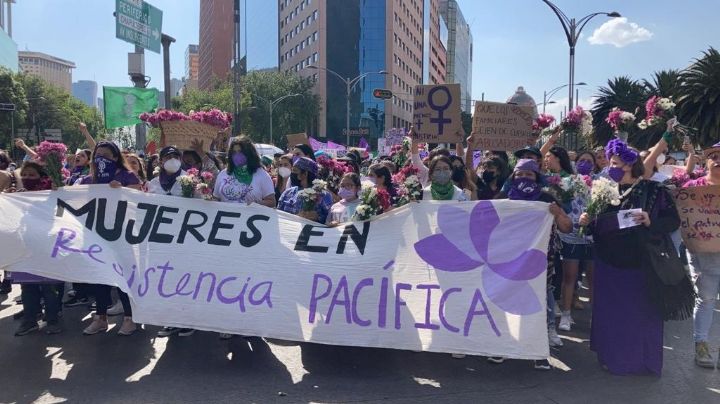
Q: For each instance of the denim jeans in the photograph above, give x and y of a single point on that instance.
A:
(31, 296)
(706, 266)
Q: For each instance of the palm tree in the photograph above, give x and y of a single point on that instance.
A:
(665, 83)
(698, 103)
(622, 92)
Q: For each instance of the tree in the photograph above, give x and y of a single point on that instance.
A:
(11, 92)
(624, 93)
(665, 83)
(698, 103)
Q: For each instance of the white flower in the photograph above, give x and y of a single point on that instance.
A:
(185, 180)
(627, 117)
(643, 125)
(615, 202)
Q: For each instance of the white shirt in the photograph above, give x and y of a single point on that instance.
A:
(423, 172)
(229, 189)
(154, 187)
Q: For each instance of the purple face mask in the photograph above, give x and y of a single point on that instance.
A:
(524, 190)
(584, 167)
(239, 159)
(616, 173)
(347, 193)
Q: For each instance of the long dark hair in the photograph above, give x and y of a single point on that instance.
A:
(564, 158)
(248, 149)
(307, 150)
(141, 173)
(381, 170)
(434, 162)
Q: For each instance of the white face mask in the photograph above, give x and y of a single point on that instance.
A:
(661, 159)
(284, 172)
(172, 166)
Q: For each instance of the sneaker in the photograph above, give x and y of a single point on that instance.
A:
(458, 356)
(542, 364)
(186, 332)
(702, 355)
(98, 325)
(225, 336)
(565, 322)
(128, 327)
(74, 302)
(554, 338)
(168, 331)
(116, 309)
(496, 359)
(53, 328)
(26, 328)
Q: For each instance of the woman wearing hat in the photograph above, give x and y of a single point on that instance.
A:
(630, 298)
(170, 169)
(707, 268)
(244, 180)
(109, 167)
(302, 175)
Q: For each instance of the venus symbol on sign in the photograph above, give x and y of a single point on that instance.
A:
(441, 121)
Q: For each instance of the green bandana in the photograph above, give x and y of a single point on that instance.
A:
(442, 192)
(242, 174)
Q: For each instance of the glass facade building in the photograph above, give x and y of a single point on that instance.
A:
(357, 46)
(459, 51)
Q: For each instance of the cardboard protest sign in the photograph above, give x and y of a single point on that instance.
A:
(699, 209)
(436, 114)
(182, 133)
(297, 138)
(500, 126)
(432, 276)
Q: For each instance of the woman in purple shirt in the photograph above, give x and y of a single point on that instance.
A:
(109, 167)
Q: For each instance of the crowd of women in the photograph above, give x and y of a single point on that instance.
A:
(630, 298)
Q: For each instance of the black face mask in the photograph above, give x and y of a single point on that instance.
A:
(458, 174)
(488, 176)
(294, 180)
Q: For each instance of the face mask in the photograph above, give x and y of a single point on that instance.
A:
(284, 172)
(239, 159)
(661, 159)
(347, 193)
(294, 180)
(488, 176)
(31, 184)
(584, 167)
(458, 174)
(616, 173)
(104, 170)
(441, 177)
(524, 189)
(172, 166)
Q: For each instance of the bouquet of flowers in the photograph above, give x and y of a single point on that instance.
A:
(204, 186)
(604, 193)
(332, 171)
(658, 111)
(52, 155)
(542, 122)
(188, 183)
(310, 197)
(213, 117)
(162, 115)
(372, 203)
(408, 185)
(620, 121)
(577, 121)
(568, 188)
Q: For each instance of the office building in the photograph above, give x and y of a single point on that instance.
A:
(51, 69)
(86, 91)
(8, 47)
(192, 67)
(215, 50)
(435, 36)
(459, 51)
(175, 86)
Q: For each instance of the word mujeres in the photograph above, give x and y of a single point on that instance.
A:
(156, 223)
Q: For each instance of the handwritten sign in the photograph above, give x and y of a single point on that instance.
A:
(297, 138)
(436, 116)
(500, 126)
(699, 209)
(252, 270)
(182, 133)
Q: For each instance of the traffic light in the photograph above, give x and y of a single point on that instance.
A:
(382, 93)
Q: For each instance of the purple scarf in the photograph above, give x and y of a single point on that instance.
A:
(167, 180)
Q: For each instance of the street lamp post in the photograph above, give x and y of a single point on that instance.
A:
(547, 95)
(349, 85)
(572, 30)
(271, 106)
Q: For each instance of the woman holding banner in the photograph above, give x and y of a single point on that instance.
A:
(706, 267)
(625, 282)
(304, 172)
(441, 187)
(244, 180)
(109, 167)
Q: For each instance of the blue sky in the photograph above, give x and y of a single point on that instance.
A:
(517, 42)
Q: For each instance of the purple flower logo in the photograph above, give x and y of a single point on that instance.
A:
(482, 239)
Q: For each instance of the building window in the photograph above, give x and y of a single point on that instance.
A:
(302, 25)
(315, 36)
(315, 57)
(315, 15)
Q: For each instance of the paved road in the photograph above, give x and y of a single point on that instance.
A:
(70, 367)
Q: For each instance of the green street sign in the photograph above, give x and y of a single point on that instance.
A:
(139, 23)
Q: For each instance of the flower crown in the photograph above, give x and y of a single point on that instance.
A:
(617, 147)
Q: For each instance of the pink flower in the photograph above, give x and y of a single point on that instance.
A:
(543, 121)
(47, 149)
(193, 172)
(207, 176)
(553, 179)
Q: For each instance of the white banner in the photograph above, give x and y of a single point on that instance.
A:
(434, 276)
